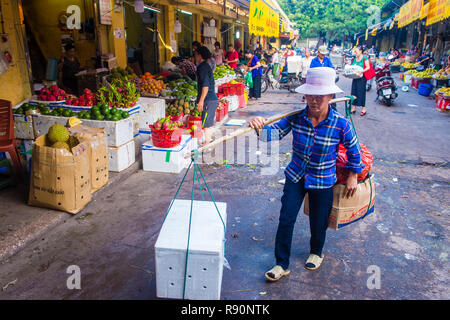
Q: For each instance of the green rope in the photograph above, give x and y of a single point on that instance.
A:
(189, 231)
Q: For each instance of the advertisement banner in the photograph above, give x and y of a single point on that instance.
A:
(437, 11)
(263, 20)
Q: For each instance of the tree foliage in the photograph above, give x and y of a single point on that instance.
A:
(333, 19)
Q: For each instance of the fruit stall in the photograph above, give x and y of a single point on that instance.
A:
(442, 96)
(120, 118)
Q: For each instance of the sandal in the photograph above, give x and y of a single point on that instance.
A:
(276, 273)
(313, 262)
(363, 113)
(353, 111)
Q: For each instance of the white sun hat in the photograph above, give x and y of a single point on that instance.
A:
(320, 81)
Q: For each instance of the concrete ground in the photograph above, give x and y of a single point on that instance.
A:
(112, 239)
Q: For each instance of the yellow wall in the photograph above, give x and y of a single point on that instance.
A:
(42, 17)
(14, 84)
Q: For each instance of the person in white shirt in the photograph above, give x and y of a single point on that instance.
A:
(306, 62)
(276, 63)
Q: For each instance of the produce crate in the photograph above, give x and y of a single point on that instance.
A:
(117, 132)
(91, 80)
(169, 160)
(122, 157)
(151, 110)
(443, 103)
(23, 127)
(241, 99)
(206, 251)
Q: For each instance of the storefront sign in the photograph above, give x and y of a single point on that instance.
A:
(105, 12)
(437, 11)
(409, 12)
(424, 11)
(263, 20)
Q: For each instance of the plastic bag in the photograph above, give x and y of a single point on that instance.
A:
(248, 79)
(341, 162)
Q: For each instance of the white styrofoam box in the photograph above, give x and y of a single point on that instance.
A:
(120, 158)
(23, 127)
(152, 109)
(170, 160)
(117, 132)
(234, 102)
(294, 64)
(206, 251)
(49, 104)
(42, 123)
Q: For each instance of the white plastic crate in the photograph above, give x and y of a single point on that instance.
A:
(117, 132)
(206, 251)
(121, 158)
(152, 109)
(294, 64)
(170, 160)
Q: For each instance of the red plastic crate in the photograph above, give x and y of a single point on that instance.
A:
(241, 101)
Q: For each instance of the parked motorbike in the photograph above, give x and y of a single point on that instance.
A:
(386, 87)
(288, 81)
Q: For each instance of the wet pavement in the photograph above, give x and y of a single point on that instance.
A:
(406, 239)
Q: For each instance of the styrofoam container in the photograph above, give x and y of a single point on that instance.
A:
(23, 127)
(117, 132)
(294, 64)
(233, 102)
(152, 109)
(169, 160)
(121, 158)
(206, 251)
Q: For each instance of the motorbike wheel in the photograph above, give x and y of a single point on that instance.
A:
(388, 102)
(264, 85)
(294, 85)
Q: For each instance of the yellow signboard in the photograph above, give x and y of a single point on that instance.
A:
(263, 20)
(424, 11)
(409, 12)
(437, 11)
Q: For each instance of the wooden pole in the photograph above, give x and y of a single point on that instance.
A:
(245, 130)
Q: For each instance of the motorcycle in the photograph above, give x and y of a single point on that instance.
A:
(386, 87)
(288, 81)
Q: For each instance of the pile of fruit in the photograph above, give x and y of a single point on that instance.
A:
(103, 112)
(423, 74)
(88, 99)
(408, 65)
(58, 137)
(119, 95)
(396, 63)
(122, 75)
(444, 91)
(167, 124)
(183, 89)
(222, 71)
(150, 85)
(181, 106)
(42, 108)
(54, 93)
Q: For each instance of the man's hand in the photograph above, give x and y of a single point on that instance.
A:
(352, 184)
(257, 123)
(200, 106)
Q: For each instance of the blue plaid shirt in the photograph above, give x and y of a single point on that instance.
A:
(315, 148)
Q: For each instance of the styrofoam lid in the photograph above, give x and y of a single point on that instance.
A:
(207, 231)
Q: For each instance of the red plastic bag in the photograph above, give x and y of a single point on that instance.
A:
(341, 161)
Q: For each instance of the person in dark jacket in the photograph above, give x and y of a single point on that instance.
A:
(254, 66)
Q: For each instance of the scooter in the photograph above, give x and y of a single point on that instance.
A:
(386, 87)
(288, 81)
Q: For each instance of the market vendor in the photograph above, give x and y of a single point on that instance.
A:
(186, 66)
(317, 132)
(232, 57)
(206, 98)
(68, 67)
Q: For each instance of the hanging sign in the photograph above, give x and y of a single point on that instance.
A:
(105, 12)
(437, 11)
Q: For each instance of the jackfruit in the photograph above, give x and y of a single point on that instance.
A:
(58, 133)
(61, 145)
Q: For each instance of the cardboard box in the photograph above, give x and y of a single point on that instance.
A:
(170, 160)
(117, 132)
(206, 251)
(59, 179)
(95, 138)
(346, 211)
(120, 158)
(152, 109)
(23, 127)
